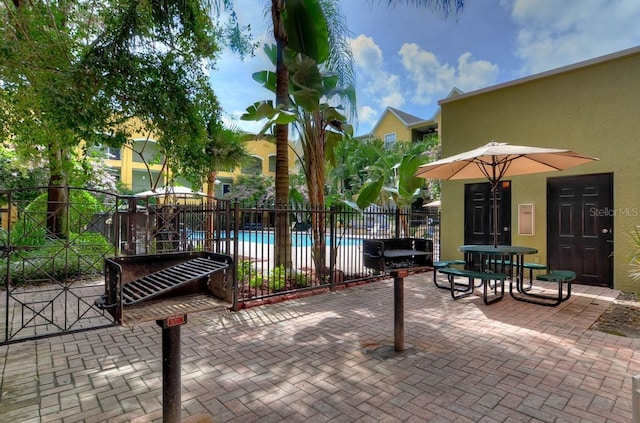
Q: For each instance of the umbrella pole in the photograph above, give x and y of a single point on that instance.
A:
(494, 192)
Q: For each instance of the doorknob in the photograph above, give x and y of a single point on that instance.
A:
(605, 231)
(506, 229)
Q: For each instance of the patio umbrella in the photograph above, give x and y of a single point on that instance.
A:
(434, 203)
(496, 161)
(177, 190)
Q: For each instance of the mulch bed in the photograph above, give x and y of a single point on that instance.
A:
(622, 318)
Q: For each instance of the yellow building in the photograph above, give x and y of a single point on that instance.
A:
(134, 170)
(396, 125)
(579, 219)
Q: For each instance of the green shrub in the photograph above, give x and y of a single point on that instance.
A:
(82, 256)
(634, 255)
(302, 280)
(277, 278)
(30, 230)
(255, 281)
(244, 270)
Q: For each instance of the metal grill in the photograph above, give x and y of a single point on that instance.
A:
(163, 281)
(145, 288)
(165, 288)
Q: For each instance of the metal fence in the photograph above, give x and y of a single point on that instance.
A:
(248, 234)
(50, 281)
(261, 277)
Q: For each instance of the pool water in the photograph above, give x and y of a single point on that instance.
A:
(298, 239)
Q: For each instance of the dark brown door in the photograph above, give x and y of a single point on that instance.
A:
(478, 214)
(580, 225)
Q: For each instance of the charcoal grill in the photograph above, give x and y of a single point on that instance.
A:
(398, 256)
(395, 254)
(145, 288)
(165, 288)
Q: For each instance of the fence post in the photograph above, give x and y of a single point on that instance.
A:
(130, 244)
(398, 229)
(332, 248)
(236, 227)
(635, 397)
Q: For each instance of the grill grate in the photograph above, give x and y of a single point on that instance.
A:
(157, 283)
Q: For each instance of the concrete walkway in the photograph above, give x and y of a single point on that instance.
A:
(330, 358)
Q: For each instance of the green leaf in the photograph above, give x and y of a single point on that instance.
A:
(352, 204)
(408, 183)
(259, 110)
(369, 193)
(267, 79)
(306, 28)
(271, 51)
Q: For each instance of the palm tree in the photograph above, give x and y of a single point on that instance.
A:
(282, 235)
(392, 180)
(313, 29)
(225, 149)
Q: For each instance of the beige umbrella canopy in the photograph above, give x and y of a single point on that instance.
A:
(496, 161)
(171, 190)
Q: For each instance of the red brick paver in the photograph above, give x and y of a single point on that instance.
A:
(330, 358)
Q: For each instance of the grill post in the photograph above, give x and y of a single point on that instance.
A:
(635, 398)
(398, 309)
(171, 378)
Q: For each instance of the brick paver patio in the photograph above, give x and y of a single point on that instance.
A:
(330, 358)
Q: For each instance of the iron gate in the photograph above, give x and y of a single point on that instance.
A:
(52, 261)
(53, 246)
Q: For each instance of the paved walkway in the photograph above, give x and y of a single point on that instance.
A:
(330, 358)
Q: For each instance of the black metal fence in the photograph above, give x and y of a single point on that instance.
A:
(261, 277)
(50, 282)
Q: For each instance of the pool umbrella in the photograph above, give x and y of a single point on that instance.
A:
(496, 161)
(171, 190)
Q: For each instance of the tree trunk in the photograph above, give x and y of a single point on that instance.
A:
(282, 230)
(57, 195)
(314, 157)
(211, 180)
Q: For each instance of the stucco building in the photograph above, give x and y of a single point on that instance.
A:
(134, 170)
(580, 219)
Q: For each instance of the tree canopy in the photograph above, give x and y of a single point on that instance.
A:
(74, 71)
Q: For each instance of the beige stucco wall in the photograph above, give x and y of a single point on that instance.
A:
(591, 109)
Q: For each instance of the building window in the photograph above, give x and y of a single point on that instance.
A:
(141, 182)
(109, 153)
(115, 172)
(253, 166)
(146, 151)
(389, 140)
(113, 153)
(272, 163)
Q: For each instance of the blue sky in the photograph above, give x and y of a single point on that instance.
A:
(409, 58)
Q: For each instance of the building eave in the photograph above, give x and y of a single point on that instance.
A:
(557, 71)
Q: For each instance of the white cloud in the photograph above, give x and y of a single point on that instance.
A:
(367, 116)
(382, 86)
(434, 80)
(554, 34)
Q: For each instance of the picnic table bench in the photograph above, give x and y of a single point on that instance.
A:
(526, 265)
(560, 277)
(461, 290)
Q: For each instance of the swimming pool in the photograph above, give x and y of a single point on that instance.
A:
(298, 239)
